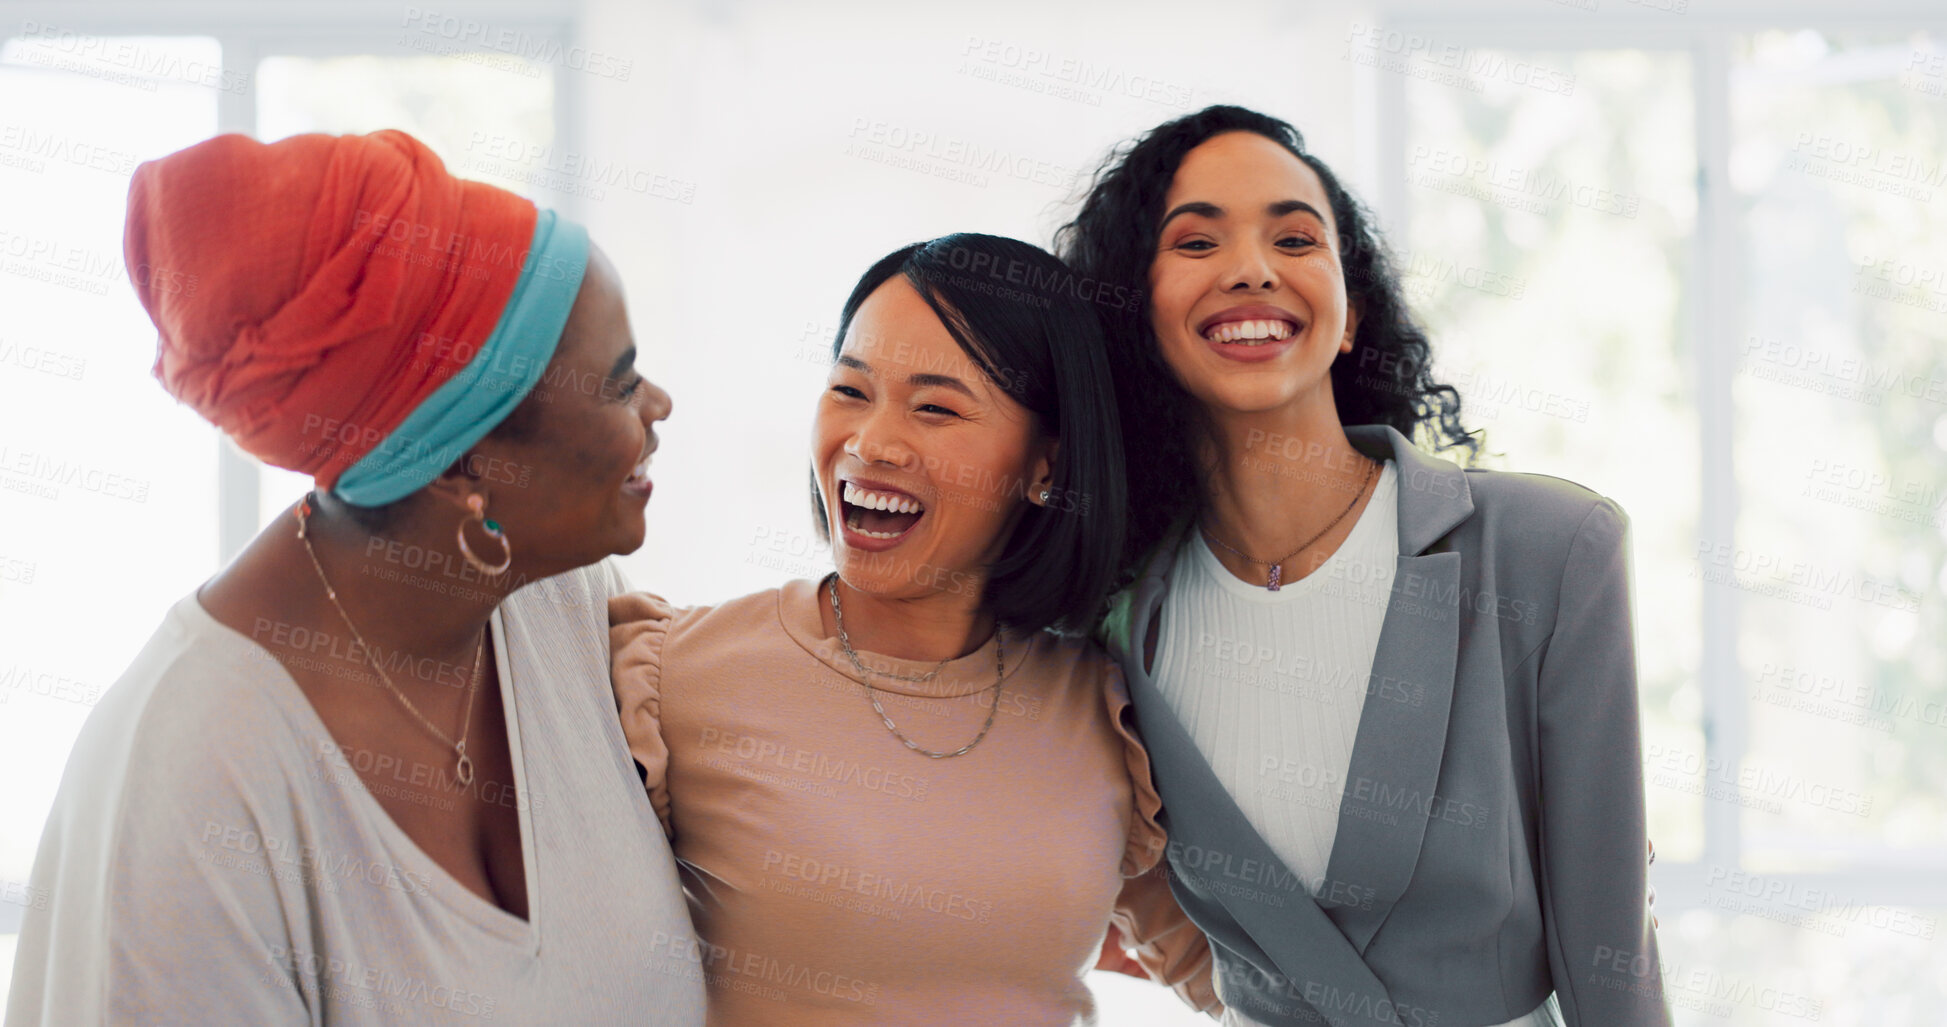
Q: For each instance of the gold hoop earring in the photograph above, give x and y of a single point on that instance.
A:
(478, 506)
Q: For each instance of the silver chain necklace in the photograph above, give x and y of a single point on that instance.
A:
(865, 679)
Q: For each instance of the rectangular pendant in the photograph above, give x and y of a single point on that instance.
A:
(1272, 585)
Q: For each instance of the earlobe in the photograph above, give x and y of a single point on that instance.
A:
(458, 484)
(1044, 475)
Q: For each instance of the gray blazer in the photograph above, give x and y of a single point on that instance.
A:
(1491, 844)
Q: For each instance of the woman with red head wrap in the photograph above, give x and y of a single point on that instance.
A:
(371, 772)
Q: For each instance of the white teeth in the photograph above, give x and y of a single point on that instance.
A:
(640, 471)
(881, 501)
(870, 500)
(1249, 332)
(852, 523)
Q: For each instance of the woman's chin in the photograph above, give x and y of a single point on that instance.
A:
(1253, 389)
(878, 574)
(629, 532)
(1263, 395)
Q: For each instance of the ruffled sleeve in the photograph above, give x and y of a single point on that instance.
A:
(1172, 949)
(1144, 848)
(638, 624)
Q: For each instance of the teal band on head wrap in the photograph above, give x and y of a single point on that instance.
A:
(463, 410)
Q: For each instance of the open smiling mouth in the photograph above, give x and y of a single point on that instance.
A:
(879, 515)
(1251, 333)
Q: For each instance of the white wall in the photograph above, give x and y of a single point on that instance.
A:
(764, 105)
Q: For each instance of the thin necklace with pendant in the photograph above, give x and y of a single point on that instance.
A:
(1272, 583)
(463, 764)
(845, 642)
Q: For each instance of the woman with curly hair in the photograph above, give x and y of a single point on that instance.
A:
(1390, 702)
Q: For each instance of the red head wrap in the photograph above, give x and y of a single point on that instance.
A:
(309, 293)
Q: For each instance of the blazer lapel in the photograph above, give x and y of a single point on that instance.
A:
(1218, 856)
(1402, 736)
(1396, 755)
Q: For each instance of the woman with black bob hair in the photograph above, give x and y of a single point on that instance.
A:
(1006, 303)
(894, 797)
(1402, 690)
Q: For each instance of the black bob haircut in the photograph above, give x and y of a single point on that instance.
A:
(1386, 379)
(1026, 321)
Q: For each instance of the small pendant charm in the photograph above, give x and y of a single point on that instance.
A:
(464, 769)
(1272, 585)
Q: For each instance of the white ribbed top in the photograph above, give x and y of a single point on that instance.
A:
(1270, 684)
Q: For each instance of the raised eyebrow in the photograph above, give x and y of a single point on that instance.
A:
(944, 381)
(1197, 207)
(1283, 207)
(1210, 210)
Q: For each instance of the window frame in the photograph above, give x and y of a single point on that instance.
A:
(1714, 289)
(248, 34)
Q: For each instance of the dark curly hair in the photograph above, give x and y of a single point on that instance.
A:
(1386, 379)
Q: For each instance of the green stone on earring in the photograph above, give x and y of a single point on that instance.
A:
(493, 527)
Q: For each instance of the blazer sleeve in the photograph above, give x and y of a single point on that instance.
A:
(638, 627)
(1602, 949)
